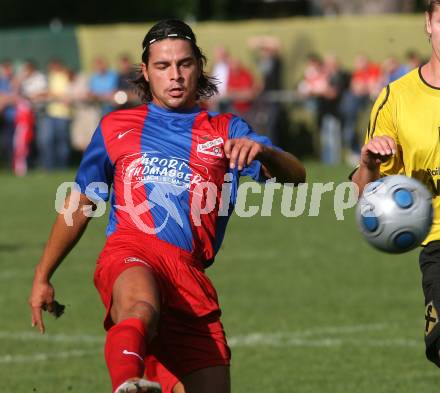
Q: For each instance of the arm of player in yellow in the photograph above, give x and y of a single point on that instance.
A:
(380, 155)
(377, 150)
(61, 240)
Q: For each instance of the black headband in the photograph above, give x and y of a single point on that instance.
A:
(173, 35)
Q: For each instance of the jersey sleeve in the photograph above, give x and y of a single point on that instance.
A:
(95, 167)
(238, 128)
(383, 123)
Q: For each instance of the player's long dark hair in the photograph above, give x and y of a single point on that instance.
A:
(175, 29)
(430, 6)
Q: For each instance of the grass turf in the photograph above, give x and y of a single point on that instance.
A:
(307, 305)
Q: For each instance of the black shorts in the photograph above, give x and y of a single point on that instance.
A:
(430, 267)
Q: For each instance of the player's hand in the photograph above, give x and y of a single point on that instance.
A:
(42, 298)
(378, 150)
(242, 151)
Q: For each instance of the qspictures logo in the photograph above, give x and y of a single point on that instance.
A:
(295, 201)
(153, 182)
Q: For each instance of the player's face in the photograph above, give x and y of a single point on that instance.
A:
(433, 29)
(172, 72)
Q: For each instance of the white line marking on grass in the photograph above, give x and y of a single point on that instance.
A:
(324, 337)
(61, 338)
(299, 338)
(43, 357)
(255, 341)
(233, 342)
(341, 329)
(248, 338)
(8, 274)
(305, 338)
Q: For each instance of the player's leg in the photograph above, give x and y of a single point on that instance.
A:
(136, 295)
(190, 354)
(135, 312)
(212, 379)
(430, 267)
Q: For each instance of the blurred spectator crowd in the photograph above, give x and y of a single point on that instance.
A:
(325, 116)
(340, 100)
(47, 118)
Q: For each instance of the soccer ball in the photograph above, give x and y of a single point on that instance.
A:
(395, 213)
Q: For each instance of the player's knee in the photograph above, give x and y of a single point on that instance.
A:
(144, 311)
(141, 310)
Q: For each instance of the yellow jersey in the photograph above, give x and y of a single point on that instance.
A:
(59, 86)
(408, 110)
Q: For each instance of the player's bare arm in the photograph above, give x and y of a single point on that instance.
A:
(61, 240)
(285, 167)
(377, 150)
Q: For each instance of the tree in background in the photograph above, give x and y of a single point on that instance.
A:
(334, 7)
(25, 13)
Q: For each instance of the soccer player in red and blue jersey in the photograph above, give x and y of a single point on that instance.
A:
(168, 162)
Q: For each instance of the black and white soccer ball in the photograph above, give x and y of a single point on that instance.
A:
(395, 213)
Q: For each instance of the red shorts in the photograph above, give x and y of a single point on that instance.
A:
(190, 335)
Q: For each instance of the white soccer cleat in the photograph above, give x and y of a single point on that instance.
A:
(139, 386)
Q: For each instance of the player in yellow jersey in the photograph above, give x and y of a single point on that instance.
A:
(404, 138)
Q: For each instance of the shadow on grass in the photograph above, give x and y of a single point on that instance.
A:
(11, 247)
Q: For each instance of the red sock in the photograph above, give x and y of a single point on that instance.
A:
(125, 351)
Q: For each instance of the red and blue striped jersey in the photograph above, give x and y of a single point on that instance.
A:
(156, 160)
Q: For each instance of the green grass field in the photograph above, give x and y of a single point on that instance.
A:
(308, 306)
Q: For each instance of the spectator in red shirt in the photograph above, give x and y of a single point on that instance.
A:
(365, 84)
(241, 87)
